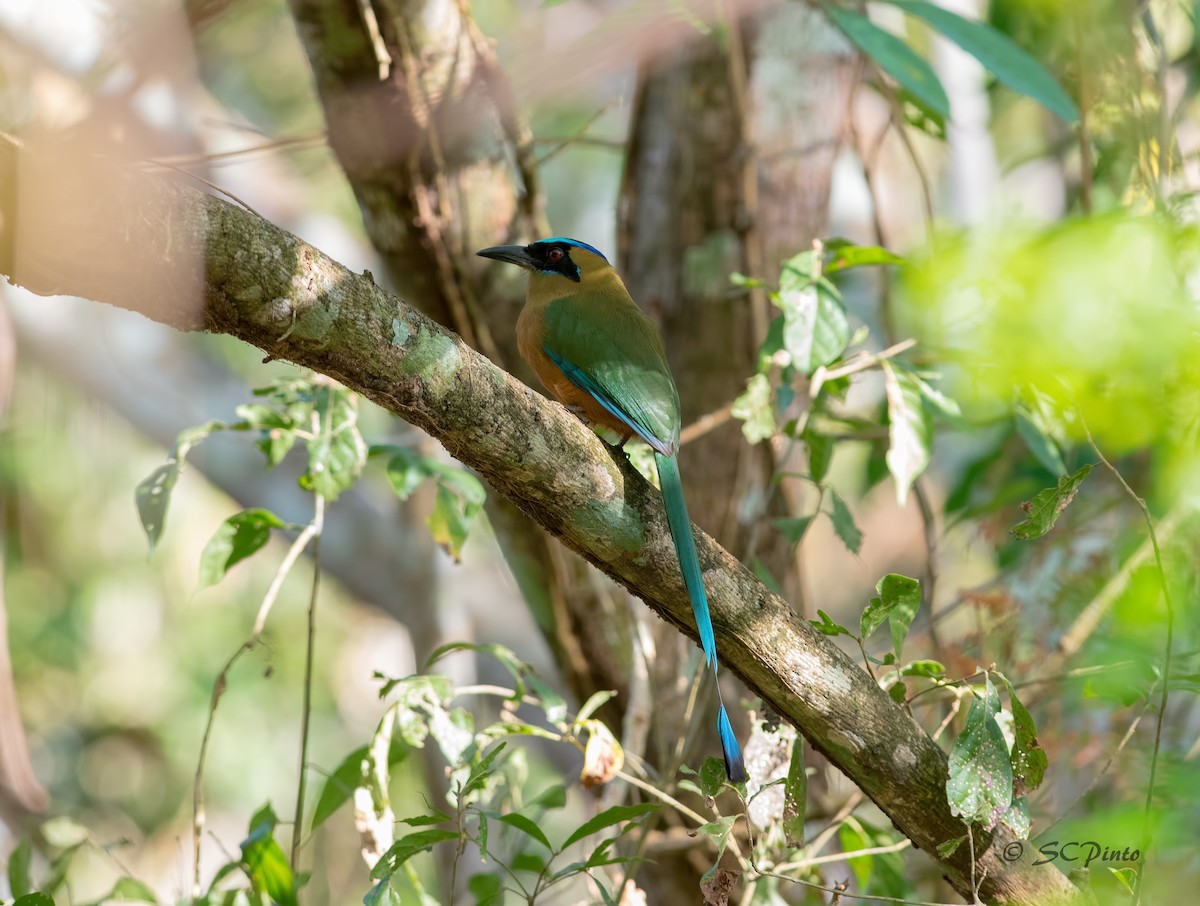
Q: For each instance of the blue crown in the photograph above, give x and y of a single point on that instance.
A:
(576, 243)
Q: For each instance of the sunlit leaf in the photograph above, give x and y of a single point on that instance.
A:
(795, 795)
(980, 785)
(239, 536)
(894, 57)
(827, 626)
(910, 434)
(815, 328)
(1043, 511)
(754, 410)
(899, 598)
(842, 255)
(337, 455)
(998, 54)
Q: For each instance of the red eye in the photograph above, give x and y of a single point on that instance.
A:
(554, 255)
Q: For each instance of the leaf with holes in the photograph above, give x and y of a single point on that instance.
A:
(1044, 509)
(980, 785)
(754, 410)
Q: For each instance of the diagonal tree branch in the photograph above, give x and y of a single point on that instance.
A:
(198, 263)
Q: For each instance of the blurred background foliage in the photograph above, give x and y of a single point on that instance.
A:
(1050, 285)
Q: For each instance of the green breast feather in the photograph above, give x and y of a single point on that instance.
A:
(611, 349)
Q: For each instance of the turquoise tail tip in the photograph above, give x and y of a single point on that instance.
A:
(735, 767)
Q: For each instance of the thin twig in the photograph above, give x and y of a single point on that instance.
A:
(706, 423)
(580, 133)
(1103, 770)
(306, 714)
(219, 686)
(1166, 673)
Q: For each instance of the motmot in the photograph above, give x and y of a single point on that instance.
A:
(603, 358)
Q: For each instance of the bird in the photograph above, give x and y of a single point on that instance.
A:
(603, 358)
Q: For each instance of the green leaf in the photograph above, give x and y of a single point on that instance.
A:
(480, 771)
(894, 57)
(340, 785)
(593, 704)
(910, 434)
(37, 898)
(482, 837)
(608, 818)
(487, 889)
(842, 255)
(712, 776)
(1040, 444)
(793, 528)
(450, 521)
(719, 830)
(980, 785)
(920, 115)
(153, 494)
(820, 452)
(20, 882)
(843, 523)
(754, 410)
(551, 797)
(382, 893)
(264, 862)
(239, 536)
(1017, 818)
(525, 826)
(530, 862)
(407, 847)
(337, 454)
(1043, 511)
(950, 847)
(999, 56)
(130, 889)
(1029, 760)
(438, 817)
(815, 328)
(795, 796)
(406, 470)
(903, 596)
(827, 626)
(932, 669)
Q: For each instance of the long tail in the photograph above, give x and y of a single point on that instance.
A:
(689, 564)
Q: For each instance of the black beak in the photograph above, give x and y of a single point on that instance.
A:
(513, 254)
